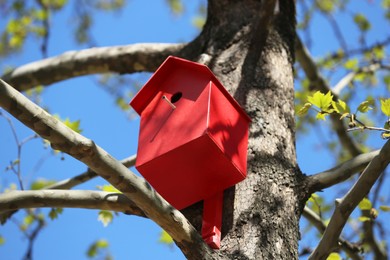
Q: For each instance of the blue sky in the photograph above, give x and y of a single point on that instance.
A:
(69, 236)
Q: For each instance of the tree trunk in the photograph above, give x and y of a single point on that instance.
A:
(250, 49)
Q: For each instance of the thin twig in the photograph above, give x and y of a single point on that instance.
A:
(364, 127)
(32, 237)
(352, 52)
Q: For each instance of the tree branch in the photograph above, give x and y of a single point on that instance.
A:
(340, 173)
(117, 59)
(370, 239)
(350, 249)
(85, 199)
(132, 186)
(351, 75)
(70, 183)
(310, 68)
(347, 204)
(347, 54)
(85, 176)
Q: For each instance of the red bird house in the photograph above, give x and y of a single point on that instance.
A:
(193, 139)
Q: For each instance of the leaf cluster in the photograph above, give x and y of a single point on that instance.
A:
(325, 105)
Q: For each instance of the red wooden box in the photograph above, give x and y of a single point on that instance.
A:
(193, 135)
(189, 152)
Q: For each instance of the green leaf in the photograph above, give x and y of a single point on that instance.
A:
(384, 208)
(40, 14)
(41, 183)
(379, 52)
(54, 212)
(96, 247)
(11, 187)
(322, 101)
(122, 103)
(313, 198)
(165, 238)
(2, 240)
(364, 219)
(341, 107)
(55, 4)
(16, 162)
(303, 111)
(386, 80)
(105, 217)
(326, 6)
(385, 135)
(28, 220)
(364, 106)
(386, 4)
(109, 188)
(75, 125)
(13, 26)
(387, 14)
(360, 77)
(351, 64)
(365, 204)
(16, 41)
(334, 256)
(109, 5)
(102, 243)
(362, 22)
(320, 116)
(385, 106)
(176, 6)
(199, 22)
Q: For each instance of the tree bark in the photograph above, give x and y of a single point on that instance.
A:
(250, 48)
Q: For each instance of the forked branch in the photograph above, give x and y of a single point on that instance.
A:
(350, 201)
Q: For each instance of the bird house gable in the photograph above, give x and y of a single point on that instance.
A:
(175, 74)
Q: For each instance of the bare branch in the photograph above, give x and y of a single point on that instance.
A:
(85, 199)
(116, 59)
(135, 188)
(85, 176)
(350, 249)
(70, 183)
(347, 204)
(311, 70)
(340, 173)
(351, 75)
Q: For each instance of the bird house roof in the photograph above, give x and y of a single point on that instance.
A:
(168, 68)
